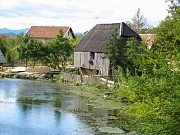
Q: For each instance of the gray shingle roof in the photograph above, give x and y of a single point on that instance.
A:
(2, 59)
(96, 39)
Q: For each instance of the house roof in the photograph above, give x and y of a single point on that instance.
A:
(48, 32)
(148, 38)
(2, 59)
(97, 38)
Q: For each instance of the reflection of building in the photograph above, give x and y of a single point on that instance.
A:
(149, 39)
(47, 33)
(2, 61)
(89, 53)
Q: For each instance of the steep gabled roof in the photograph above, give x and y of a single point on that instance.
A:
(97, 38)
(48, 32)
(2, 59)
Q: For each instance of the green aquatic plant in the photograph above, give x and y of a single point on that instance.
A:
(79, 110)
(30, 100)
(57, 103)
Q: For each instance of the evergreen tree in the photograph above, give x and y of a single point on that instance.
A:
(117, 52)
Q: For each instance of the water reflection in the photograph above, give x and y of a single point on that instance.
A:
(48, 109)
(27, 118)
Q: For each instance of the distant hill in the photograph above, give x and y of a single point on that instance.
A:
(9, 34)
(12, 32)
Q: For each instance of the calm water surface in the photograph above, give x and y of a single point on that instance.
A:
(52, 118)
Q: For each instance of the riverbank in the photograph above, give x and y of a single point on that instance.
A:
(85, 103)
(116, 118)
(99, 95)
(110, 109)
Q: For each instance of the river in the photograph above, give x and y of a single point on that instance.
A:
(44, 108)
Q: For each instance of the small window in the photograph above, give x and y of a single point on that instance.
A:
(92, 55)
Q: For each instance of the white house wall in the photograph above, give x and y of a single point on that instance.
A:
(43, 40)
(69, 35)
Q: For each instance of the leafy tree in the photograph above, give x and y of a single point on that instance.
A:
(168, 37)
(8, 46)
(43, 55)
(23, 49)
(31, 50)
(12, 44)
(3, 43)
(174, 8)
(36, 51)
(78, 39)
(156, 93)
(61, 49)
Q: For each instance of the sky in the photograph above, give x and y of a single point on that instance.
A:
(80, 15)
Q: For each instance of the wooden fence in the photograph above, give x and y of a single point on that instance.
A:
(70, 77)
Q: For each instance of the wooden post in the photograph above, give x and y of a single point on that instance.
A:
(81, 75)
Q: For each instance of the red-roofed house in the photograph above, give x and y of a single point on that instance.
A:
(149, 39)
(47, 33)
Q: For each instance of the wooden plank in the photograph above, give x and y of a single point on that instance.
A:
(81, 59)
(39, 70)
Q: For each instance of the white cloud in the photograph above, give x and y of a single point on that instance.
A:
(9, 4)
(81, 15)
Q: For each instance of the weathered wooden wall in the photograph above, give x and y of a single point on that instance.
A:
(81, 59)
(70, 77)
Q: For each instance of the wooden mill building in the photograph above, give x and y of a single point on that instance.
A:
(89, 53)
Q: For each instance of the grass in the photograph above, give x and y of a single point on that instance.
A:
(91, 88)
(95, 96)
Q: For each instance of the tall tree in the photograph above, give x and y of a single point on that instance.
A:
(23, 52)
(117, 50)
(36, 51)
(61, 49)
(138, 21)
(3, 43)
(10, 44)
(156, 94)
(174, 8)
(168, 31)
(31, 50)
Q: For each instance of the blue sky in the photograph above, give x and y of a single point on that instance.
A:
(81, 15)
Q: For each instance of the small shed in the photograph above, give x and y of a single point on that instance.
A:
(2, 61)
(89, 53)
